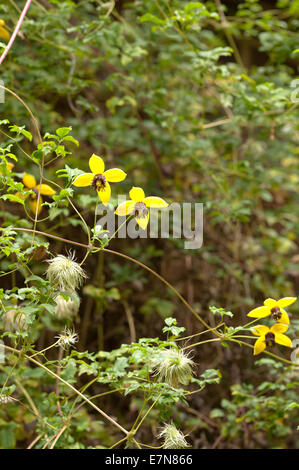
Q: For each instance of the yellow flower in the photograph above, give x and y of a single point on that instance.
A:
(9, 167)
(139, 205)
(99, 179)
(30, 183)
(270, 336)
(274, 308)
(4, 34)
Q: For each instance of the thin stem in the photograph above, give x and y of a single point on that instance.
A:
(148, 411)
(122, 255)
(58, 436)
(118, 442)
(112, 421)
(121, 225)
(34, 120)
(17, 28)
(200, 333)
(201, 342)
(49, 235)
(266, 352)
(35, 441)
(46, 349)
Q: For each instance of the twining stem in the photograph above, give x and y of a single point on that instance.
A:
(60, 356)
(58, 436)
(17, 28)
(148, 411)
(49, 235)
(44, 350)
(122, 255)
(212, 330)
(201, 342)
(267, 352)
(199, 334)
(33, 118)
(35, 441)
(111, 420)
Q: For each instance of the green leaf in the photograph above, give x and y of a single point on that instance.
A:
(63, 131)
(12, 197)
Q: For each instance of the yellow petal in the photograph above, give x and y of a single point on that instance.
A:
(96, 165)
(284, 317)
(155, 202)
(270, 303)
(286, 301)
(20, 196)
(83, 180)
(283, 340)
(45, 190)
(33, 205)
(125, 208)
(279, 328)
(259, 345)
(29, 181)
(137, 194)
(4, 34)
(142, 221)
(9, 166)
(260, 330)
(105, 193)
(259, 312)
(115, 175)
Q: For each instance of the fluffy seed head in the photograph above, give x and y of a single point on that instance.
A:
(66, 308)
(67, 338)
(65, 273)
(14, 320)
(173, 366)
(173, 438)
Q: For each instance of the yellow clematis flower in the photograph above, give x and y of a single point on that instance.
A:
(9, 167)
(270, 336)
(99, 179)
(275, 309)
(138, 206)
(4, 34)
(30, 183)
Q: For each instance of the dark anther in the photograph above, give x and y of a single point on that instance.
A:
(276, 313)
(270, 339)
(35, 195)
(98, 182)
(140, 210)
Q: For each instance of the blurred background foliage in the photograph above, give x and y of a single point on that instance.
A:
(194, 101)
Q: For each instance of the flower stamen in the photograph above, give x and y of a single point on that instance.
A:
(99, 182)
(276, 313)
(140, 210)
(270, 339)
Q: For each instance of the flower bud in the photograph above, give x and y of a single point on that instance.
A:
(65, 273)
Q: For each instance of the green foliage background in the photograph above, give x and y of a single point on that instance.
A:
(195, 107)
